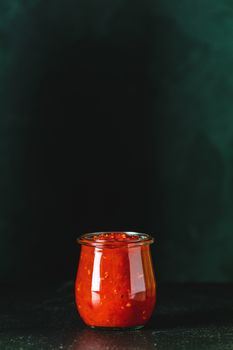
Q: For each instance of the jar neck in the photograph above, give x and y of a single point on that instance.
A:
(115, 239)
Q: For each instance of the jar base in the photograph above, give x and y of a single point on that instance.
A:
(133, 328)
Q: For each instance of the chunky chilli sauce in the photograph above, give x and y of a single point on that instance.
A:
(115, 284)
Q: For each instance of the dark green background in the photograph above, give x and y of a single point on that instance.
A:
(116, 115)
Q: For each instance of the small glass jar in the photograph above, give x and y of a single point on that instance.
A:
(115, 284)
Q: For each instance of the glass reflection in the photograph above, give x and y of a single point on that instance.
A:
(89, 339)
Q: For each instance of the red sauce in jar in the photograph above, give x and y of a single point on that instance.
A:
(115, 284)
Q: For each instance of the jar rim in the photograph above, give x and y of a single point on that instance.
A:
(140, 239)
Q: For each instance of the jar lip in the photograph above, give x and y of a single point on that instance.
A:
(134, 239)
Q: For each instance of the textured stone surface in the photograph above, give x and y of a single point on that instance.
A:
(188, 317)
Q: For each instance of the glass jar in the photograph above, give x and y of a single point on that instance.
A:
(115, 283)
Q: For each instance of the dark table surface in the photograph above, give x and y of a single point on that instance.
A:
(190, 316)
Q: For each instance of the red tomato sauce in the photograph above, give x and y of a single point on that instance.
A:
(115, 284)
